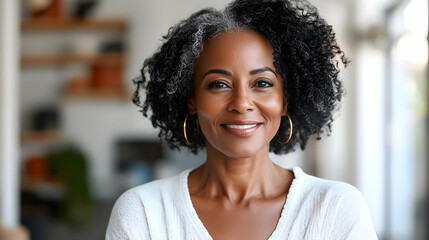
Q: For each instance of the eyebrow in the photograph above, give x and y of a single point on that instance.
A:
(260, 70)
(217, 71)
(228, 73)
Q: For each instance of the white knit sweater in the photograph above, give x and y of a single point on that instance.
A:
(314, 209)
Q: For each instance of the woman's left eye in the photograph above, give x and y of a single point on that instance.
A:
(263, 84)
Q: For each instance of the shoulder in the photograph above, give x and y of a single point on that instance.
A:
(136, 209)
(326, 189)
(334, 197)
(151, 192)
(339, 205)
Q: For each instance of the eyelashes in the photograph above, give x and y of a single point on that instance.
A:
(217, 85)
(264, 84)
(259, 84)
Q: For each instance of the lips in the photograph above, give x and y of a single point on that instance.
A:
(241, 128)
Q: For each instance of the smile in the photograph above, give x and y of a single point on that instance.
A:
(240, 126)
(241, 129)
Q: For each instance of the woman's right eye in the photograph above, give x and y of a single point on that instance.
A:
(217, 85)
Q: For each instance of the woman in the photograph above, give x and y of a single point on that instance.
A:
(259, 76)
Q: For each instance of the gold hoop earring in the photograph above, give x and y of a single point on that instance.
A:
(184, 129)
(290, 131)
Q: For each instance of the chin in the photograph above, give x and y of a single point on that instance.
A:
(247, 150)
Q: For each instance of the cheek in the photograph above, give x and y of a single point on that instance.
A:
(273, 110)
(208, 108)
(273, 106)
(208, 105)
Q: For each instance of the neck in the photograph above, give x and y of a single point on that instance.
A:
(238, 179)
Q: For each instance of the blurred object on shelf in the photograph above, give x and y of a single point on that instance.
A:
(83, 8)
(37, 6)
(107, 74)
(57, 186)
(136, 159)
(69, 165)
(135, 174)
(37, 179)
(45, 118)
(78, 87)
(77, 84)
(36, 167)
(132, 150)
(85, 45)
(49, 9)
(17, 233)
(112, 47)
(45, 190)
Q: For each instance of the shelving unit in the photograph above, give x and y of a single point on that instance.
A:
(48, 136)
(28, 25)
(54, 59)
(69, 69)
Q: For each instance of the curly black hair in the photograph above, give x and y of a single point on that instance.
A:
(306, 55)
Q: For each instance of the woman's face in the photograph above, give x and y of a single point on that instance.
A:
(238, 94)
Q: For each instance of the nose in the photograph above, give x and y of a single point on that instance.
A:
(241, 101)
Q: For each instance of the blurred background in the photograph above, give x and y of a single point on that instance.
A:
(71, 141)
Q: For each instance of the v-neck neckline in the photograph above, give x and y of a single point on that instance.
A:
(201, 229)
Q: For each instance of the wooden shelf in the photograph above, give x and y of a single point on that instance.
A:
(53, 59)
(46, 188)
(94, 94)
(48, 136)
(71, 24)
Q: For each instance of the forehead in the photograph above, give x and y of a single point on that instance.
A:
(244, 48)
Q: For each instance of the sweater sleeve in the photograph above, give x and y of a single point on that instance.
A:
(352, 218)
(128, 219)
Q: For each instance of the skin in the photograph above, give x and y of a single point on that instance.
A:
(238, 193)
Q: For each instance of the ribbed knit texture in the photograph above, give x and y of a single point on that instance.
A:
(315, 209)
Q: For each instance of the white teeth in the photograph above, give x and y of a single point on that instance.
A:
(240, 126)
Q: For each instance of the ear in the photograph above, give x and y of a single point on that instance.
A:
(192, 106)
(286, 103)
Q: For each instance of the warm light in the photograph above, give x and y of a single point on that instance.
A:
(416, 17)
